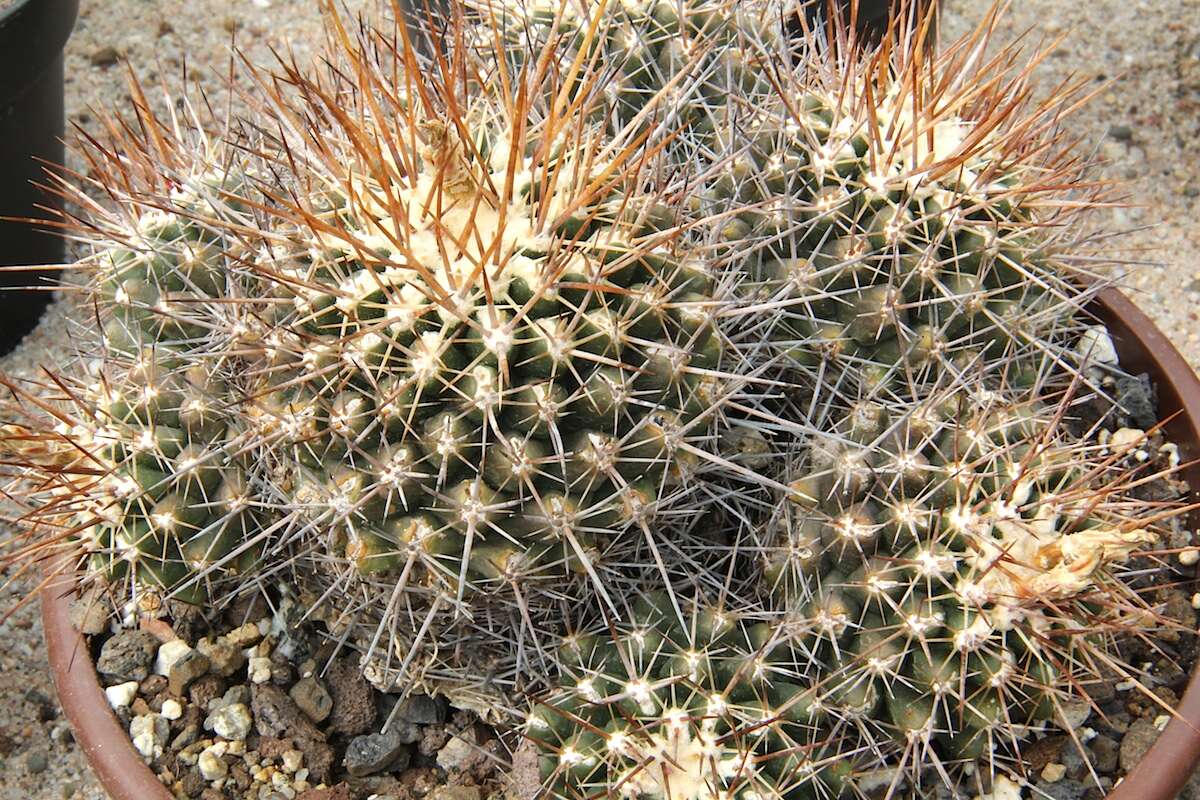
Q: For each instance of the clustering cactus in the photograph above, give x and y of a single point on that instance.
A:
(487, 417)
(635, 300)
(942, 536)
(893, 241)
(917, 606)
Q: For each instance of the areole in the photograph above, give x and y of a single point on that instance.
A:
(1159, 776)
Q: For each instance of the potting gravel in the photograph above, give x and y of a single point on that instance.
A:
(1145, 124)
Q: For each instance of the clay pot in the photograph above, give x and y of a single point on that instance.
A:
(1159, 776)
(104, 740)
(32, 36)
(1168, 765)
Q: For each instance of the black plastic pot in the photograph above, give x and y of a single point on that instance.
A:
(871, 17)
(32, 36)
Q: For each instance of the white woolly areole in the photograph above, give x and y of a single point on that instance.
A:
(909, 142)
(1032, 562)
(682, 761)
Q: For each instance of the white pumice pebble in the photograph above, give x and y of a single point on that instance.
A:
(168, 653)
(122, 694)
(171, 709)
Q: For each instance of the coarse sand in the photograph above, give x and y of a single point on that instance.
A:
(1143, 57)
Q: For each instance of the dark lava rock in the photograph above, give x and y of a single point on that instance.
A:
(224, 659)
(247, 609)
(127, 656)
(152, 686)
(190, 667)
(1178, 607)
(1073, 760)
(1095, 792)
(192, 715)
(1061, 790)
(1105, 752)
(408, 732)
(270, 747)
(1042, 752)
(318, 757)
(1138, 739)
(282, 675)
(422, 709)
(354, 709)
(376, 752)
(240, 775)
(1116, 720)
(433, 738)
(277, 716)
(187, 736)
(1137, 400)
(192, 783)
(204, 690)
(187, 621)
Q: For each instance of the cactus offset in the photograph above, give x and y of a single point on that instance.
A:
(899, 220)
(945, 556)
(946, 563)
(704, 708)
(654, 67)
(921, 602)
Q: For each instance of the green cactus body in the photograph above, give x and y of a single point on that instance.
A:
(460, 394)
(874, 260)
(649, 65)
(936, 558)
(710, 707)
(507, 398)
(175, 499)
(652, 303)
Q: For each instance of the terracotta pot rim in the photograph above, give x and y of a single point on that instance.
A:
(103, 739)
(1143, 348)
(1160, 774)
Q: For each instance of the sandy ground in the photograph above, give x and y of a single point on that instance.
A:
(1145, 124)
